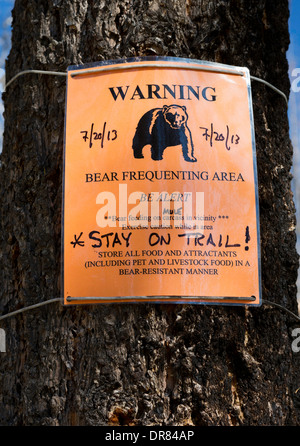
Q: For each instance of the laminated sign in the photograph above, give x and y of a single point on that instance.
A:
(160, 199)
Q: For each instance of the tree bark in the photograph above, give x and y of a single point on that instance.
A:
(144, 364)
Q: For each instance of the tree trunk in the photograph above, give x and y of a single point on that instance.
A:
(142, 364)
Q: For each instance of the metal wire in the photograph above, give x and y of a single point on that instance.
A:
(30, 307)
(271, 86)
(53, 73)
(58, 299)
(110, 68)
(274, 304)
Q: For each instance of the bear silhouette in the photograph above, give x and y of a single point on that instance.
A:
(162, 128)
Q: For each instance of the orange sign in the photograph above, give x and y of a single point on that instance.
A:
(160, 189)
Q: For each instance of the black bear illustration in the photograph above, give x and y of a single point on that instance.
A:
(161, 128)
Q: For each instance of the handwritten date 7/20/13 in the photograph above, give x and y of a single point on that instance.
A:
(228, 138)
(106, 134)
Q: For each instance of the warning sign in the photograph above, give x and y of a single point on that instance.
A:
(160, 190)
